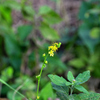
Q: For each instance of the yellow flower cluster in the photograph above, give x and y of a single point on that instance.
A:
(53, 48)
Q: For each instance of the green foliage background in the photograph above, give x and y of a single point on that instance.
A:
(21, 47)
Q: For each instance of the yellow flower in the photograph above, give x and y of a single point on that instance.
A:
(51, 53)
(50, 47)
(53, 48)
(56, 44)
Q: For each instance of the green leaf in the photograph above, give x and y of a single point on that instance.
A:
(7, 73)
(76, 97)
(70, 76)
(82, 77)
(78, 63)
(13, 50)
(28, 12)
(84, 33)
(81, 88)
(94, 11)
(16, 97)
(85, 6)
(44, 10)
(47, 92)
(62, 96)
(68, 83)
(58, 80)
(95, 32)
(52, 18)
(90, 96)
(73, 97)
(14, 5)
(49, 16)
(48, 32)
(6, 17)
(61, 89)
(24, 31)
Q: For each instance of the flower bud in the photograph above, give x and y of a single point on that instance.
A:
(59, 45)
(38, 76)
(73, 82)
(44, 55)
(46, 62)
(38, 97)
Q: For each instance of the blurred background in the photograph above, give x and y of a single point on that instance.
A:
(28, 27)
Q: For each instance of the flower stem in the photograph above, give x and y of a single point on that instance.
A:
(40, 76)
(71, 90)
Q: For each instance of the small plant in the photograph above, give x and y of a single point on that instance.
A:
(51, 50)
(65, 88)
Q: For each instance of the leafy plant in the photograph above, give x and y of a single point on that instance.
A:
(65, 88)
(51, 50)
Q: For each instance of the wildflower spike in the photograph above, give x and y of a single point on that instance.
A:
(53, 48)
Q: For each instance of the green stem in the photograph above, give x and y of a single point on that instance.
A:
(71, 90)
(39, 80)
(40, 76)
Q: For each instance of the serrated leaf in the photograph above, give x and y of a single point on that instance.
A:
(68, 83)
(62, 96)
(90, 96)
(81, 88)
(82, 77)
(60, 81)
(76, 97)
(70, 97)
(61, 89)
(70, 76)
